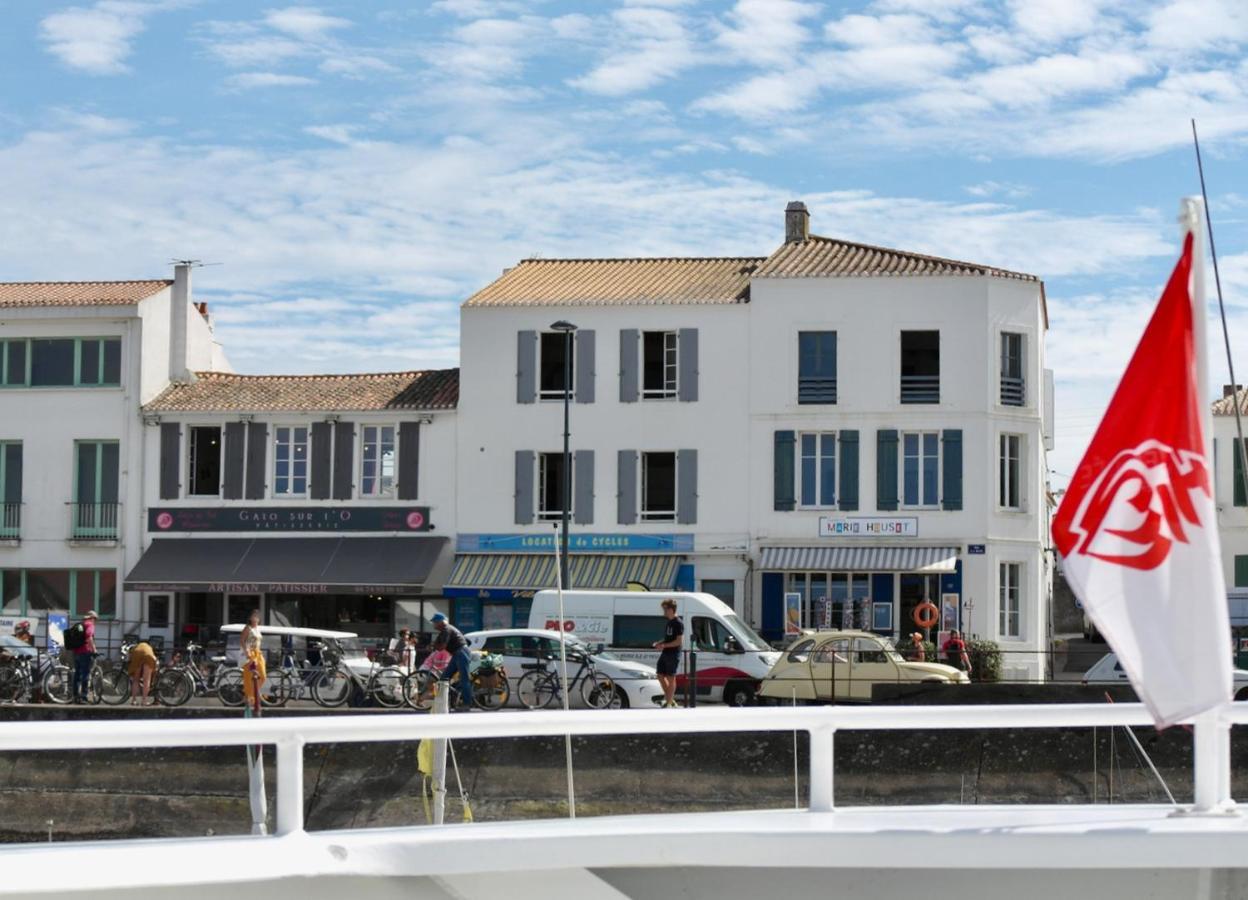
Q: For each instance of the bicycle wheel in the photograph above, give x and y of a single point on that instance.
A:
(95, 685)
(115, 687)
(418, 690)
(491, 698)
(598, 691)
(277, 689)
(14, 685)
(537, 689)
(386, 686)
(332, 689)
(230, 687)
(173, 687)
(58, 684)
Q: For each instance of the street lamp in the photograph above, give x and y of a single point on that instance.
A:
(567, 328)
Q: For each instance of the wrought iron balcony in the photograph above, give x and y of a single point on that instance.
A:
(1013, 391)
(94, 521)
(10, 521)
(920, 388)
(816, 389)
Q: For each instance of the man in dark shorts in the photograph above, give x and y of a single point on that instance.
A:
(669, 657)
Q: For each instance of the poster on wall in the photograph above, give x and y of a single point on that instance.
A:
(881, 617)
(948, 612)
(58, 624)
(792, 613)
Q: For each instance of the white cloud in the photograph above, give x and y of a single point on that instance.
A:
(650, 46)
(766, 32)
(248, 80)
(96, 39)
(304, 23)
(1056, 20)
(257, 51)
(1007, 189)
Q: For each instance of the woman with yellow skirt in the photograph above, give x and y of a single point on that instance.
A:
(252, 660)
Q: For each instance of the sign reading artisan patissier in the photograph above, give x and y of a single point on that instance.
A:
(288, 518)
(868, 526)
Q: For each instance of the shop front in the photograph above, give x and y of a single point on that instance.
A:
(496, 575)
(866, 588)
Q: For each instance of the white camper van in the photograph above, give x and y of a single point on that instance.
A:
(731, 658)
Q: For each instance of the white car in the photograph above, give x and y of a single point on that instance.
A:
(1107, 670)
(523, 649)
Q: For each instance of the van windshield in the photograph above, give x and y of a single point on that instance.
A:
(749, 638)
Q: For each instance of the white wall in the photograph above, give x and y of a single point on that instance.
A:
(1232, 519)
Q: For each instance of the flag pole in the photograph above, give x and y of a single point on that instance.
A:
(563, 679)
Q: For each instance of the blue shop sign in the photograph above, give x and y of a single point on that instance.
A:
(577, 543)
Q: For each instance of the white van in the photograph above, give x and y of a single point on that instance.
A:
(731, 658)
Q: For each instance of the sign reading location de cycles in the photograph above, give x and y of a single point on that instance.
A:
(868, 526)
(288, 518)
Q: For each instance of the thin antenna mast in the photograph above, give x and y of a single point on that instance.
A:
(1226, 335)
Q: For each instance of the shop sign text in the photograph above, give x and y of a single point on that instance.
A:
(868, 526)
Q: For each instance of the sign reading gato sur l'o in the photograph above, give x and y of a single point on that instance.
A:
(288, 518)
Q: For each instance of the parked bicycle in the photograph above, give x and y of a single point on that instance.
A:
(542, 686)
(58, 683)
(335, 685)
(19, 677)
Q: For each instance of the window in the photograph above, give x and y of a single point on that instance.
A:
(290, 461)
(555, 365)
(723, 589)
(638, 632)
(868, 652)
(95, 490)
(658, 487)
(920, 469)
(801, 652)
(1013, 387)
(205, 461)
(1010, 459)
(709, 635)
(832, 653)
(1241, 571)
(1009, 623)
(10, 489)
(61, 590)
(550, 486)
(377, 461)
(816, 367)
(157, 611)
(658, 364)
(60, 362)
(832, 599)
(920, 367)
(817, 465)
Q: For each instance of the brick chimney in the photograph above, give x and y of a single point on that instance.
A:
(1229, 390)
(796, 222)
(179, 309)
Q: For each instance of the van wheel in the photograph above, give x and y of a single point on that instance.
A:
(739, 695)
(1242, 694)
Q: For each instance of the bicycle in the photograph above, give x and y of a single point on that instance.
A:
(540, 687)
(334, 686)
(183, 679)
(491, 695)
(19, 677)
(58, 684)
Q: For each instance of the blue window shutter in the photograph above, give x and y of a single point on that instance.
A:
(170, 459)
(320, 464)
(886, 469)
(772, 619)
(408, 487)
(344, 460)
(951, 438)
(525, 460)
(526, 367)
(583, 487)
(626, 491)
(785, 499)
(849, 470)
(687, 487)
(583, 359)
(235, 445)
(257, 458)
(630, 347)
(687, 359)
(1241, 494)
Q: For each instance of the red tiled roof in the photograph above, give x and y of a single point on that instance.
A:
(822, 257)
(78, 293)
(227, 392)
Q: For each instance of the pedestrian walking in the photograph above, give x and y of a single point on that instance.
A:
(451, 639)
(251, 647)
(918, 653)
(955, 653)
(84, 654)
(669, 655)
(141, 666)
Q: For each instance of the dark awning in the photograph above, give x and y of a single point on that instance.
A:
(361, 565)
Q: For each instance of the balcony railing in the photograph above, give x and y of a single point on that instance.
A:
(1013, 391)
(10, 521)
(94, 521)
(816, 389)
(920, 388)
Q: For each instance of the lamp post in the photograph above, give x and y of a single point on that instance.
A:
(566, 494)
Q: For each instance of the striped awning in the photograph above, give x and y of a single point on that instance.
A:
(862, 559)
(536, 571)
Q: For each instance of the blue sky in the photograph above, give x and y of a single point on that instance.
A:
(357, 169)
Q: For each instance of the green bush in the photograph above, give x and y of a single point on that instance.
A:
(985, 660)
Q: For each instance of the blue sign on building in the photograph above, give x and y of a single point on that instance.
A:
(577, 543)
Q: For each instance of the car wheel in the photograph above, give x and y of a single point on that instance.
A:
(739, 695)
(1242, 694)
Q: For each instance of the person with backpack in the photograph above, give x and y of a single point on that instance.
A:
(81, 640)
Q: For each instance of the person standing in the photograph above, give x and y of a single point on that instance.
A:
(918, 653)
(451, 639)
(669, 655)
(251, 646)
(84, 654)
(141, 666)
(955, 652)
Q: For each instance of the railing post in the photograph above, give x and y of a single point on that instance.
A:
(290, 785)
(821, 766)
(1211, 758)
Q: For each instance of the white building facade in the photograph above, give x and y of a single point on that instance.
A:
(1231, 495)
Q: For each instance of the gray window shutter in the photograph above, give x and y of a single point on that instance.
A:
(583, 488)
(526, 367)
(344, 459)
(785, 498)
(235, 445)
(12, 473)
(626, 491)
(170, 459)
(257, 456)
(583, 358)
(409, 461)
(524, 486)
(951, 465)
(322, 442)
(687, 487)
(630, 347)
(1239, 496)
(687, 359)
(849, 469)
(886, 469)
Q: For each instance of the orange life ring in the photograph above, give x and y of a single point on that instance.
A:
(926, 614)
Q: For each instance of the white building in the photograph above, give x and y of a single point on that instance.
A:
(833, 422)
(1230, 495)
(77, 361)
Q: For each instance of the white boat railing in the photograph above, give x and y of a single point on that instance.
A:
(289, 735)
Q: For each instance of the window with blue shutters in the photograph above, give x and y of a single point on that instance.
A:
(817, 465)
(816, 367)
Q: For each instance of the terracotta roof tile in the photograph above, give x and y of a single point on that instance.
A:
(624, 282)
(820, 257)
(78, 293)
(227, 392)
(1225, 406)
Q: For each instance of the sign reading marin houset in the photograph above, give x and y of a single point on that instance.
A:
(868, 526)
(288, 518)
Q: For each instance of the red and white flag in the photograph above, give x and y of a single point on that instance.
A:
(1138, 529)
